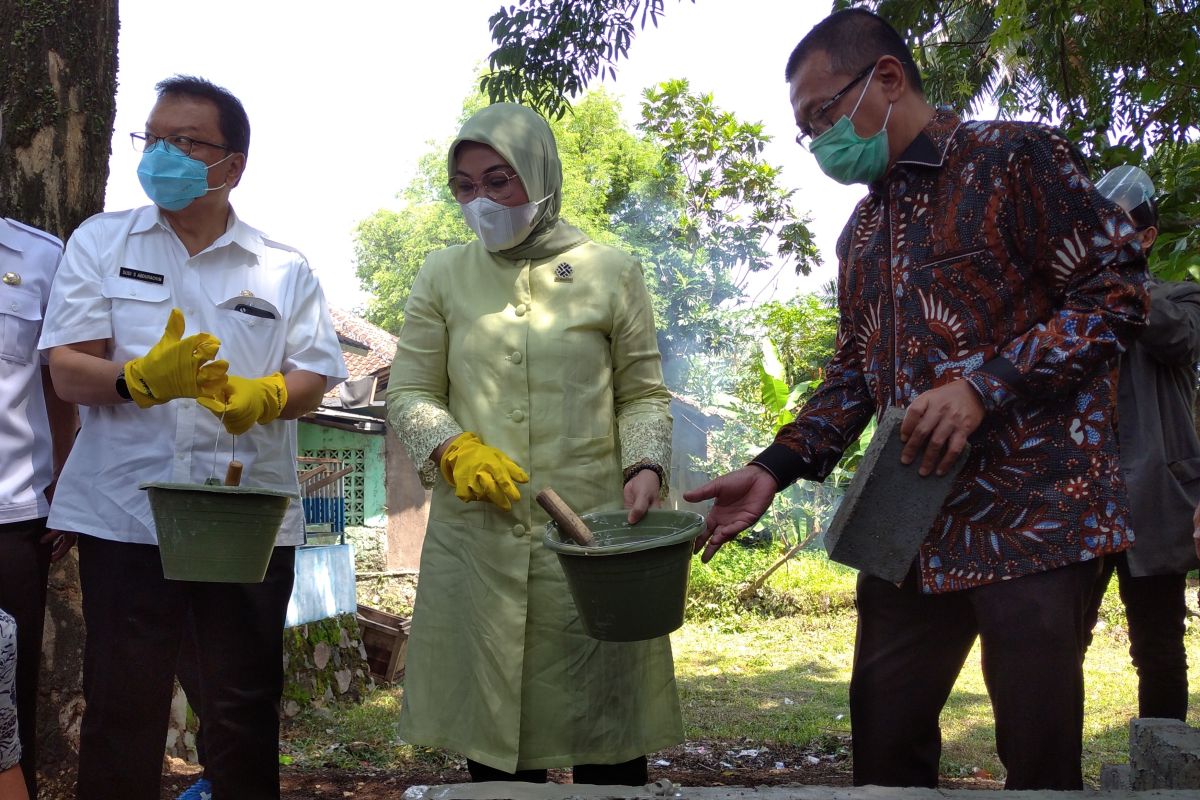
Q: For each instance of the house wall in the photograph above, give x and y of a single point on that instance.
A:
(366, 487)
(689, 441)
(408, 509)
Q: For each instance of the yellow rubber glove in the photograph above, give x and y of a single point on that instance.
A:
(176, 367)
(245, 401)
(479, 472)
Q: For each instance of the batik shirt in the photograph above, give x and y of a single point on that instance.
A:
(985, 254)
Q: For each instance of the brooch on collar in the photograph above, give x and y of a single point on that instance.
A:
(564, 273)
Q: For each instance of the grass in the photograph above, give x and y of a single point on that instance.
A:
(776, 671)
(737, 681)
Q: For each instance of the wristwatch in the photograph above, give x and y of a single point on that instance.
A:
(122, 387)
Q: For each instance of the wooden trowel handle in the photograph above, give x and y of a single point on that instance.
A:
(233, 474)
(568, 521)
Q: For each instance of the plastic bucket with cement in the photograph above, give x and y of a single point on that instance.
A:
(632, 585)
(218, 534)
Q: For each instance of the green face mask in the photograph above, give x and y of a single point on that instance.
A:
(847, 157)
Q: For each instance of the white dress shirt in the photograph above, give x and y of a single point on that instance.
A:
(120, 276)
(28, 258)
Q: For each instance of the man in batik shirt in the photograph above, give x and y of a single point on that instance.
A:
(985, 286)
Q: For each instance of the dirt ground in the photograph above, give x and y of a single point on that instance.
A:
(692, 764)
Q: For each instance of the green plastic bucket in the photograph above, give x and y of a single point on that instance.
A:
(633, 584)
(217, 534)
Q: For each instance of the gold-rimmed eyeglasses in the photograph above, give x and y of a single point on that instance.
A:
(495, 185)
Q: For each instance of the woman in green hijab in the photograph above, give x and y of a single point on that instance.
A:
(528, 358)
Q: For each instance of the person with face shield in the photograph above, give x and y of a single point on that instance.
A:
(527, 359)
(142, 305)
(1160, 458)
(985, 287)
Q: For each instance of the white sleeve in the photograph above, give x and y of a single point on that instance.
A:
(77, 311)
(312, 342)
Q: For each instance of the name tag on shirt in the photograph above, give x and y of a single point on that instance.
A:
(142, 275)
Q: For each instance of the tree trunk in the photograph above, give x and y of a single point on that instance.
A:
(58, 81)
(58, 77)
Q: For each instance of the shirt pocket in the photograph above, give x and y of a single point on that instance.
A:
(20, 322)
(252, 333)
(139, 311)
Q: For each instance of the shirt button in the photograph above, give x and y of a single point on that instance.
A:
(518, 416)
(521, 309)
(516, 357)
(15, 307)
(518, 530)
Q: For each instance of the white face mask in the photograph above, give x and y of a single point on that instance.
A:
(499, 226)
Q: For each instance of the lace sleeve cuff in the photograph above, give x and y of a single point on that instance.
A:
(646, 444)
(421, 426)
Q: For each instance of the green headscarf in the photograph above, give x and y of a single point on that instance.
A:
(524, 140)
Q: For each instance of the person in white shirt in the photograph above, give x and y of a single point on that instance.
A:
(36, 429)
(157, 402)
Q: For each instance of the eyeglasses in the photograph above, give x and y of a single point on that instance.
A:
(495, 185)
(143, 141)
(807, 133)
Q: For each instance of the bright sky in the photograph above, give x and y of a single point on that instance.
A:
(344, 97)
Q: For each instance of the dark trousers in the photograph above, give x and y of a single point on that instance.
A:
(24, 567)
(628, 773)
(135, 620)
(1155, 608)
(911, 646)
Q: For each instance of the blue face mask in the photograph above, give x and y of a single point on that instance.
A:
(171, 179)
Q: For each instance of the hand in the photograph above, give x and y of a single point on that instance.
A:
(641, 492)
(245, 401)
(479, 472)
(742, 497)
(61, 543)
(176, 367)
(940, 420)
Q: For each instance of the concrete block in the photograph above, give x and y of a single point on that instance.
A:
(888, 509)
(1114, 777)
(1163, 754)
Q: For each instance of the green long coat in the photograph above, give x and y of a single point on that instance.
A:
(562, 373)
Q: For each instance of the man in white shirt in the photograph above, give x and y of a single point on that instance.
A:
(36, 428)
(157, 404)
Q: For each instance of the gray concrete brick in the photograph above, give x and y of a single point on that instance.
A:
(1164, 754)
(888, 509)
(1114, 777)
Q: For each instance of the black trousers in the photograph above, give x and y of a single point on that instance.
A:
(135, 620)
(910, 648)
(1155, 608)
(24, 567)
(628, 773)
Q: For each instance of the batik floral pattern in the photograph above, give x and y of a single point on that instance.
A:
(993, 260)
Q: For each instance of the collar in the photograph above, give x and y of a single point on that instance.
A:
(9, 236)
(929, 148)
(237, 232)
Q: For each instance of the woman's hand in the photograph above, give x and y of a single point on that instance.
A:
(641, 493)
